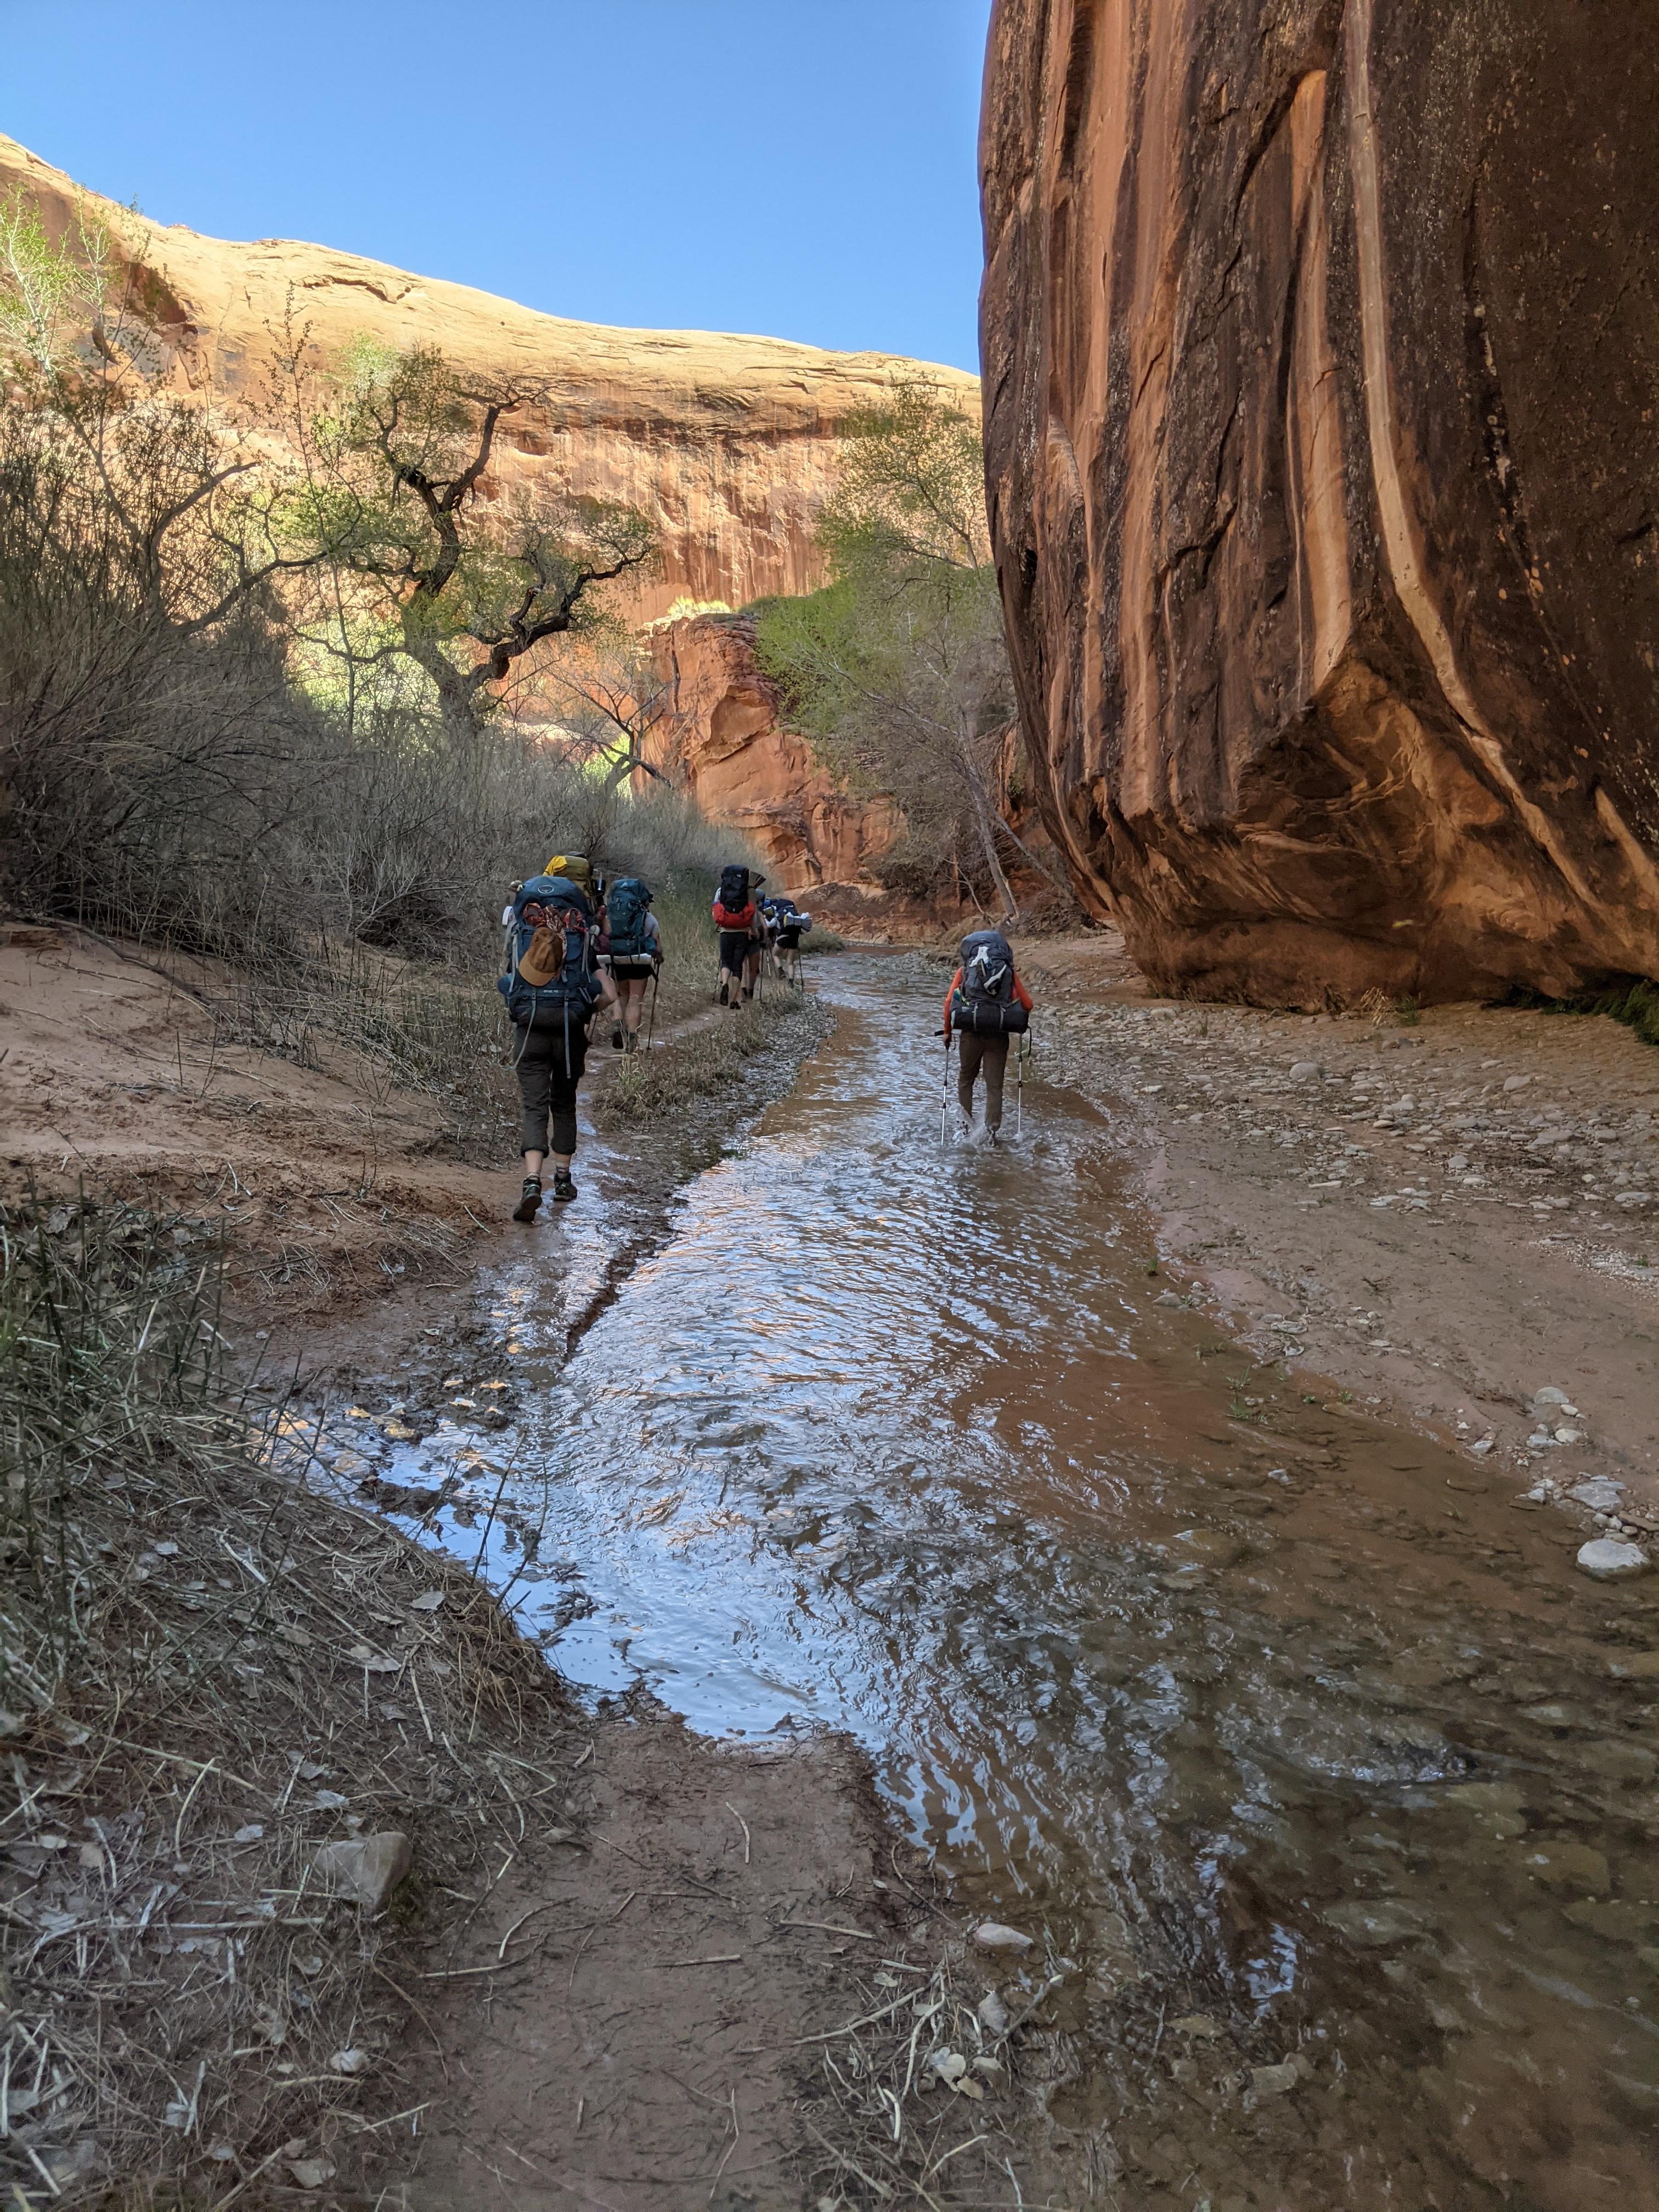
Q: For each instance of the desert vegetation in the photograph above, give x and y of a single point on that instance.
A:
(286, 693)
(897, 669)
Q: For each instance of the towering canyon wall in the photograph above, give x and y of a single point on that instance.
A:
(727, 442)
(722, 739)
(1321, 347)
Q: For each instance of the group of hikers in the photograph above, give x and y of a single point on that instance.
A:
(577, 945)
(574, 944)
(749, 926)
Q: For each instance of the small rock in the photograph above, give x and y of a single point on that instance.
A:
(1570, 1436)
(1277, 2080)
(1517, 1082)
(164, 1550)
(310, 2172)
(993, 2013)
(1617, 1760)
(1496, 1805)
(1613, 1924)
(993, 1935)
(1636, 1667)
(250, 1834)
(329, 1801)
(1561, 1863)
(368, 1869)
(1600, 1493)
(1301, 1069)
(1551, 1395)
(1372, 1921)
(1610, 1559)
(1551, 1714)
(352, 2060)
(1199, 2026)
(1457, 1164)
(428, 1602)
(1213, 1547)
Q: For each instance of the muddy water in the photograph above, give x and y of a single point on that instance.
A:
(1294, 1743)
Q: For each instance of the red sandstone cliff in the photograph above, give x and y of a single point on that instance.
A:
(722, 740)
(728, 443)
(1321, 401)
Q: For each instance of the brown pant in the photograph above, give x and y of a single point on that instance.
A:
(975, 1052)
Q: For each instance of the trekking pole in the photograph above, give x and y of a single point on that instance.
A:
(1019, 1086)
(650, 1024)
(945, 1096)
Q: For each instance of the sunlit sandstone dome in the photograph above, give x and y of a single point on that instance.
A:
(727, 442)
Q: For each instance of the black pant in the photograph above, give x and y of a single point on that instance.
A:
(547, 1085)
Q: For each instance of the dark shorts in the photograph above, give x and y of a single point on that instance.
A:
(631, 971)
(736, 945)
(789, 940)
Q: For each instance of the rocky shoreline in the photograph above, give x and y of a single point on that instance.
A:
(1448, 1217)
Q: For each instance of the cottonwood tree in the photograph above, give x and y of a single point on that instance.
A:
(899, 669)
(465, 582)
(609, 697)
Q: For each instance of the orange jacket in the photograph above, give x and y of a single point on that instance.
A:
(1020, 992)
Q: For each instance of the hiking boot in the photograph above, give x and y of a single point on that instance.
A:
(563, 1187)
(616, 1044)
(722, 996)
(994, 1132)
(529, 1198)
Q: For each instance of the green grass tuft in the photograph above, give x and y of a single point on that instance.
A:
(1631, 999)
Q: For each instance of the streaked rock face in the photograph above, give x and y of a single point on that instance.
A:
(723, 742)
(1320, 344)
(727, 443)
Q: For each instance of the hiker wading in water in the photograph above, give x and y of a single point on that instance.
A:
(986, 1004)
(552, 990)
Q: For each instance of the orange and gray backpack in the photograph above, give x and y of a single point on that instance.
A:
(568, 997)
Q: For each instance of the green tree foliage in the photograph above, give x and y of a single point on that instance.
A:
(897, 669)
(463, 585)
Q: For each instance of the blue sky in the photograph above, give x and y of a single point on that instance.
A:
(800, 167)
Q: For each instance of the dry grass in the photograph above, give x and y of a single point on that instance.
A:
(650, 1087)
(913, 2102)
(208, 1672)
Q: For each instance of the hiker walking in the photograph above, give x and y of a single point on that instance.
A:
(790, 926)
(633, 941)
(737, 917)
(986, 1004)
(552, 988)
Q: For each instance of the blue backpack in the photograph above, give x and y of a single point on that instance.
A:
(573, 994)
(627, 908)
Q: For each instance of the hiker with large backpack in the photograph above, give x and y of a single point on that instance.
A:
(633, 943)
(737, 917)
(553, 988)
(789, 925)
(986, 1004)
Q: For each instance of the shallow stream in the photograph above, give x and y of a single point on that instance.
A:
(1294, 1741)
